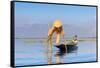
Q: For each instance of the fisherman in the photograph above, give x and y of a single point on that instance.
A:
(58, 29)
(74, 41)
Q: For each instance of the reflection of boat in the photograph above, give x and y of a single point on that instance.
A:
(71, 48)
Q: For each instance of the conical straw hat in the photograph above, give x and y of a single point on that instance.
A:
(57, 23)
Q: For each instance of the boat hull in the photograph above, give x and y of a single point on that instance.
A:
(63, 49)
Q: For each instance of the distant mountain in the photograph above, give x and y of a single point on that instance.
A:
(40, 30)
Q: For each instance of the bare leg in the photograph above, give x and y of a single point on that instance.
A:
(50, 54)
(58, 60)
(57, 39)
(50, 51)
(49, 61)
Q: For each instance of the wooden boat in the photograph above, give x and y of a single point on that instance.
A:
(72, 46)
(69, 47)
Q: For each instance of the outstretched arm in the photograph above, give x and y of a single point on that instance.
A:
(50, 32)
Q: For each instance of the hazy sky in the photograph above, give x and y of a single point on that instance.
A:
(81, 19)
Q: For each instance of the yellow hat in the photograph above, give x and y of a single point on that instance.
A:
(57, 23)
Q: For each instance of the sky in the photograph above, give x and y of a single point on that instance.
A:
(31, 19)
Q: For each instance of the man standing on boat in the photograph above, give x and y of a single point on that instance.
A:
(58, 29)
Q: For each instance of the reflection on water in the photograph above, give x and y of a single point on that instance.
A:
(37, 53)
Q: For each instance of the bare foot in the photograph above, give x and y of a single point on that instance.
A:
(59, 62)
(49, 62)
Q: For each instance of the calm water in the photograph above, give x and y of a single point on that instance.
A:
(35, 53)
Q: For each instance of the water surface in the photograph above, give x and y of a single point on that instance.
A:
(35, 53)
